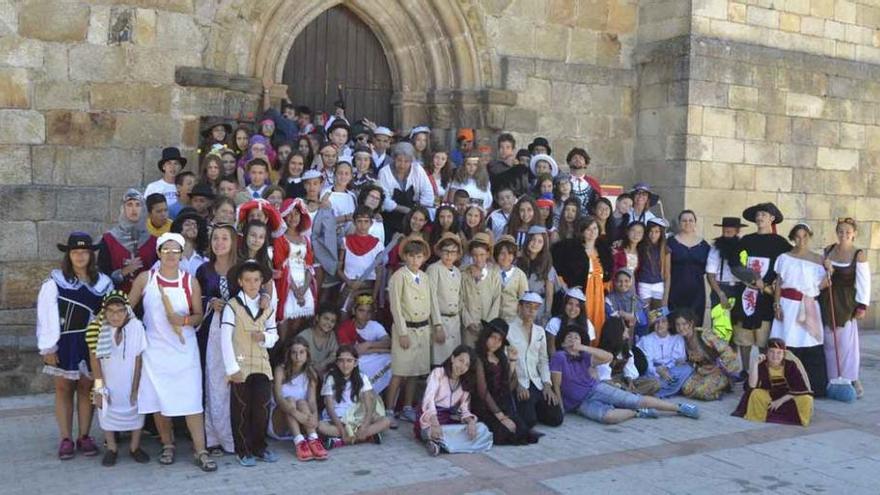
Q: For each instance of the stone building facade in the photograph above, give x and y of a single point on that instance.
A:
(719, 103)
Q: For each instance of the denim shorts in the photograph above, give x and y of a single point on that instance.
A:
(604, 398)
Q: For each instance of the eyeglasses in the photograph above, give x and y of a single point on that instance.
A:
(170, 251)
(449, 251)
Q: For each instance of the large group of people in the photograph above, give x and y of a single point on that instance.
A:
(321, 282)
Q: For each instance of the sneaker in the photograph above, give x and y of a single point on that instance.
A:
(689, 410)
(304, 452)
(319, 453)
(139, 456)
(394, 424)
(433, 448)
(331, 443)
(647, 412)
(377, 439)
(109, 459)
(87, 446)
(247, 461)
(66, 449)
(408, 414)
(267, 456)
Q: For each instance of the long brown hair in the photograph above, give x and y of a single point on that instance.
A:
(540, 266)
(308, 367)
(233, 248)
(515, 224)
(91, 269)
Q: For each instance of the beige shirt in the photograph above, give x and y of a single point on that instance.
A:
(445, 291)
(480, 300)
(515, 285)
(533, 364)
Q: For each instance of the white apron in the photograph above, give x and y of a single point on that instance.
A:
(172, 377)
(118, 371)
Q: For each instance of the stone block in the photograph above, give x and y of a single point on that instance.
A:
(845, 11)
(131, 97)
(806, 180)
(727, 150)
(714, 9)
(179, 32)
(837, 159)
(17, 242)
(743, 177)
(51, 95)
(561, 12)
(16, 51)
(149, 65)
(822, 8)
(773, 179)
(49, 164)
(581, 46)
(136, 130)
(622, 16)
(736, 12)
(521, 120)
(710, 94)
(608, 48)
(797, 156)
(825, 133)
(717, 175)
(144, 27)
(80, 128)
(62, 21)
(592, 14)
(743, 97)
(760, 153)
(517, 37)
(695, 120)
(794, 206)
(803, 105)
(818, 206)
(27, 202)
(87, 204)
(15, 166)
(697, 148)
(750, 125)
(872, 135)
(14, 88)
(802, 130)
(719, 122)
(98, 63)
(867, 15)
(21, 279)
(55, 232)
(22, 127)
(789, 22)
(104, 166)
(758, 16)
(842, 183)
(99, 25)
(813, 26)
(797, 6)
(778, 128)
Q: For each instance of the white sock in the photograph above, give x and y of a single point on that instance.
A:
(313, 436)
(299, 438)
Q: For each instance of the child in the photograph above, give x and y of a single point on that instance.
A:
(625, 251)
(439, 170)
(371, 341)
(473, 178)
(116, 340)
(342, 200)
(353, 413)
(360, 259)
(523, 217)
(461, 199)
(322, 338)
(445, 221)
(666, 355)
(624, 303)
(574, 312)
(296, 407)
(474, 222)
(569, 216)
(248, 332)
(409, 293)
(561, 194)
(542, 164)
(183, 184)
(170, 165)
(543, 186)
(274, 195)
(446, 405)
(157, 215)
(654, 265)
(445, 278)
(480, 288)
(620, 216)
(258, 171)
(514, 282)
(627, 369)
(365, 170)
(294, 258)
(497, 221)
(291, 176)
(537, 264)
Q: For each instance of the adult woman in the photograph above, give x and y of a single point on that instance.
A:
(405, 187)
(779, 389)
(65, 305)
(495, 373)
(653, 271)
(688, 253)
(216, 290)
(192, 227)
(172, 381)
(800, 277)
(643, 200)
(850, 294)
(473, 178)
(128, 248)
(294, 259)
(713, 359)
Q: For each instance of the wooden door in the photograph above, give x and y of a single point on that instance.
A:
(337, 48)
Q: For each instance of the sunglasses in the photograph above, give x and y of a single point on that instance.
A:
(171, 251)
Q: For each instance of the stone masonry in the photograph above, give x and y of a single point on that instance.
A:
(718, 103)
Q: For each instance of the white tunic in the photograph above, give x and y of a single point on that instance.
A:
(296, 262)
(171, 382)
(118, 370)
(356, 265)
(803, 276)
(376, 365)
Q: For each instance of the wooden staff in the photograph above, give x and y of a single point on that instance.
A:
(169, 310)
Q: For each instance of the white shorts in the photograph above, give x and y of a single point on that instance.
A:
(650, 291)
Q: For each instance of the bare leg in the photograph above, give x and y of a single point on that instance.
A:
(303, 407)
(84, 405)
(377, 426)
(110, 438)
(64, 390)
(409, 393)
(745, 355)
(391, 393)
(195, 423)
(615, 416)
(327, 429)
(135, 440)
(163, 425)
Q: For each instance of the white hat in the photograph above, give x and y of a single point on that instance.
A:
(531, 297)
(554, 167)
(418, 130)
(383, 131)
(169, 236)
(659, 221)
(311, 174)
(576, 293)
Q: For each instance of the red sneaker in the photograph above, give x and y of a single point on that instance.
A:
(303, 452)
(66, 450)
(87, 446)
(318, 450)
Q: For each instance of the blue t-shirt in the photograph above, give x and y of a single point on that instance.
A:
(577, 382)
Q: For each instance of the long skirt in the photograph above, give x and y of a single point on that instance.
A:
(707, 386)
(813, 359)
(218, 426)
(755, 406)
(847, 347)
(679, 374)
(456, 441)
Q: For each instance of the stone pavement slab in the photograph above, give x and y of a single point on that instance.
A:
(718, 454)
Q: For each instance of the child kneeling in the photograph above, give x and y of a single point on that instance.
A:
(116, 339)
(247, 332)
(353, 413)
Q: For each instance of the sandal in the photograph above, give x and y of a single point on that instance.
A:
(166, 457)
(204, 462)
(216, 451)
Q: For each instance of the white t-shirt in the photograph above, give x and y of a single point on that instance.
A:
(474, 191)
(163, 188)
(555, 324)
(343, 405)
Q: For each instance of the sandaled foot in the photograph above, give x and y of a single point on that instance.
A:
(166, 457)
(433, 448)
(216, 451)
(109, 459)
(860, 390)
(139, 456)
(204, 462)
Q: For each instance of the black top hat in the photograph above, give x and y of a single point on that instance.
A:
(540, 141)
(202, 189)
(750, 212)
(171, 154)
(213, 122)
(188, 213)
(78, 240)
(731, 222)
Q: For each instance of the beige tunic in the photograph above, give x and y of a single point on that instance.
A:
(480, 300)
(410, 302)
(445, 298)
(517, 285)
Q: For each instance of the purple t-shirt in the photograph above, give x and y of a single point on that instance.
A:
(577, 382)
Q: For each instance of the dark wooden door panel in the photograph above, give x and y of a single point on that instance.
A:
(336, 49)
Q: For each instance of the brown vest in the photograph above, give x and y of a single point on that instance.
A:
(249, 354)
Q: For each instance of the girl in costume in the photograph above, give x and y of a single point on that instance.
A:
(779, 389)
(294, 259)
(295, 408)
(370, 339)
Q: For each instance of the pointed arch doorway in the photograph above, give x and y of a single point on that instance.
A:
(337, 53)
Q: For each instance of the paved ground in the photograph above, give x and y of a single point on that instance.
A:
(719, 454)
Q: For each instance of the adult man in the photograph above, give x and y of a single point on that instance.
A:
(170, 165)
(583, 187)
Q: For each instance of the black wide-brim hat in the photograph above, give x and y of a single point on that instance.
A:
(78, 240)
(339, 123)
(653, 198)
(213, 122)
(750, 212)
(540, 141)
(730, 222)
(499, 326)
(171, 154)
(202, 189)
(187, 214)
